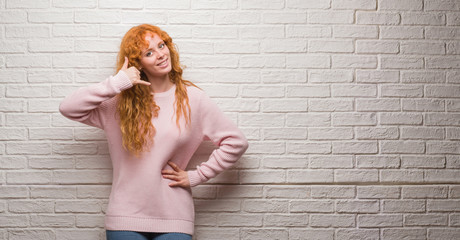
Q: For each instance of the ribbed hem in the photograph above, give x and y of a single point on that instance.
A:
(148, 224)
(122, 81)
(194, 178)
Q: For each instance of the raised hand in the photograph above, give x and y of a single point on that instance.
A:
(133, 74)
(178, 175)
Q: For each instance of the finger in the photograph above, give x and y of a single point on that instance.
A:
(168, 172)
(141, 82)
(175, 184)
(135, 70)
(174, 166)
(125, 64)
(172, 177)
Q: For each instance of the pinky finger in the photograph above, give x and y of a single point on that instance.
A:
(143, 82)
(174, 184)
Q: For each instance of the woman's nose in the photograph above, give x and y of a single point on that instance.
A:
(160, 54)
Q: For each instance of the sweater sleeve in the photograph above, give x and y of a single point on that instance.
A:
(84, 105)
(223, 133)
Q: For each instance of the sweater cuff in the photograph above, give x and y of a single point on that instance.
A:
(194, 178)
(122, 81)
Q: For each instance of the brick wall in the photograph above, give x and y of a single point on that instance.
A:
(352, 109)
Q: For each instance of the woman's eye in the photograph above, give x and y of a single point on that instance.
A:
(148, 54)
(162, 45)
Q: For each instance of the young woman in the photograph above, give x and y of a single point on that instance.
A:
(154, 121)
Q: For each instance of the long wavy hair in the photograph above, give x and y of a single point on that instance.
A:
(136, 106)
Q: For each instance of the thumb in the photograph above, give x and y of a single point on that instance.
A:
(125, 64)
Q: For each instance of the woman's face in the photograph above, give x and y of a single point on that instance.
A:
(155, 60)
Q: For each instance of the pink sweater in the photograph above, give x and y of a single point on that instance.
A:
(141, 199)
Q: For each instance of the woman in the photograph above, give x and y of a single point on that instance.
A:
(154, 121)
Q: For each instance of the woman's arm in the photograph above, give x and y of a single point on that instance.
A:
(224, 134)
(83, 104)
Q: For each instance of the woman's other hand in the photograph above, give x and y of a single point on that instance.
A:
(178, 175)
(133, 74)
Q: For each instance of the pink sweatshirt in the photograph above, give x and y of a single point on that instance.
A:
(141, 199)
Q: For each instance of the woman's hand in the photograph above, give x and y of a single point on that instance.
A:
(178, 175)
(133, 74)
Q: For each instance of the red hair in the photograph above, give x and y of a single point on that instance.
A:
(136, 106)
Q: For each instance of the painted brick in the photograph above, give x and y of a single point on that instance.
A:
(351, 108)
(308, 31)
(258, 234)
(358, 234)
(377, 161)
(354, 4)
(408, 176)
(381, 220)
(377, 76)
(310, 234)
(72, 4)
(97, 17)
(422, 162)
(329, 17)
(432, 5)
(400, 5)
(50, 17)
(443, 233)
(28, 4)
(240, 17)
(309, 4)
(442, 33)
(278, 46)
(401, 32)
(130, 4)
(265, 206)
(353, 61)
(325, 191)
(355, 31)
(355, 176)
(327, 105)
(336, 161)
(291, 220)
(403, 206)
(377, 46)
(357, 206)
(342, 46)
(312, 206)
(401, 62)
(285, 17)
(13, 16)
(381, 18)
(425, 220)
(421, 18)
(292, 192)
(378, 192)
(337, 221)
(377, 133)
(398, 233)
(308, 147)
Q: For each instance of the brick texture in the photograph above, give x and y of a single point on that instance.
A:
(351, 107)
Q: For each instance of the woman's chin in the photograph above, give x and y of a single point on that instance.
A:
(158, 73)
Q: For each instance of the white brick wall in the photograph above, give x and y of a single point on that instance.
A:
(352, 109)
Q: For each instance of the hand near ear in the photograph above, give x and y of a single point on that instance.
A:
(133, 74)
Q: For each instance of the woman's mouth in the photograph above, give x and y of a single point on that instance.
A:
(163, 64)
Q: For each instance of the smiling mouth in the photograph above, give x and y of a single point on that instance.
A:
(163, 63)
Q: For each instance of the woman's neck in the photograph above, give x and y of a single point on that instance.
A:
(160, 84)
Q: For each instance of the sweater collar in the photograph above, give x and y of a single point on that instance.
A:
(166, 93)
